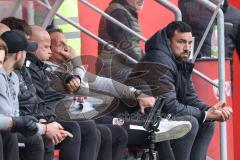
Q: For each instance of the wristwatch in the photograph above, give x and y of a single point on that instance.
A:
(135, 91)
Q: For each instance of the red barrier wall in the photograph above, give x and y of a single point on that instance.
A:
(208, 94)
(236, 95)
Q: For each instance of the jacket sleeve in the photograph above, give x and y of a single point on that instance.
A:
(119, 35)
(173, 106)
(193, 100)
(109, 86)
(3, 122)
(5, 107)
(5, 104)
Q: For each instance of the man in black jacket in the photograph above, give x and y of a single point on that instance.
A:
(171, 47)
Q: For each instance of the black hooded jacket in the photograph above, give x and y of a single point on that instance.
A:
(183, 99)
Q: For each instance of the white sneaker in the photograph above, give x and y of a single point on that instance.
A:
(169, 129)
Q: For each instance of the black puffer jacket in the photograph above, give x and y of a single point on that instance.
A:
(29, 102)
(198, 17)
(183, 99)
(40, 81)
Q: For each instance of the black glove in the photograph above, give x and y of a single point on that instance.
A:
(67, 78)
(26, 125)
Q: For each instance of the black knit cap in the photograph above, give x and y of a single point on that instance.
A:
(16, 41)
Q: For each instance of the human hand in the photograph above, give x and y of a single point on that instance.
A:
(219, 112)
(227, 113)
(145, 101)
(74, 84)
(55, 133)
(70, 53)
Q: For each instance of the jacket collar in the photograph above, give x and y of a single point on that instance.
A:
(33, 59)
(185, 66)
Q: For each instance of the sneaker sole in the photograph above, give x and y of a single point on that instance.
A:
(174, 133)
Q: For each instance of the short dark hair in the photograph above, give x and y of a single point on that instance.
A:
(53, 30)
(17, 24)
(177, 26)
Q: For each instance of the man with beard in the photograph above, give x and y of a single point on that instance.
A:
(171, 47)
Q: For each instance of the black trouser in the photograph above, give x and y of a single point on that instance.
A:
(104, 151)
(33, 149)
(113, 141)
(8, 146)
(48, 149)
(89, 141)
(119, 141)
(119, 136)
(69, 147)
(195, 144)
(202, 141)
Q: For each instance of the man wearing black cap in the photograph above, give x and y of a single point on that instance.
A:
(11, 122)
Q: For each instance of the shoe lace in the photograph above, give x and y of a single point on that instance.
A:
(167, 118)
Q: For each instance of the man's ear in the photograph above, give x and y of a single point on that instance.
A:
(18, 55)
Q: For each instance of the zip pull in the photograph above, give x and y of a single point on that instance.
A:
(169, 116)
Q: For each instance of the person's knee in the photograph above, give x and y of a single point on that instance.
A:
(194, 122)
(120, 134)
(123, 138)
(106, 135)
(89, 130)
(74, 129)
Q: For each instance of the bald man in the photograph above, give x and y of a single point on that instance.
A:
(42, 37)
(56, 131)
(3, 28)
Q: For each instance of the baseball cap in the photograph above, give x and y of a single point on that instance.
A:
(16, 41)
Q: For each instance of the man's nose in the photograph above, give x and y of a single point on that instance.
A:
(66, 48)
(49, 51)
(187, 46)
